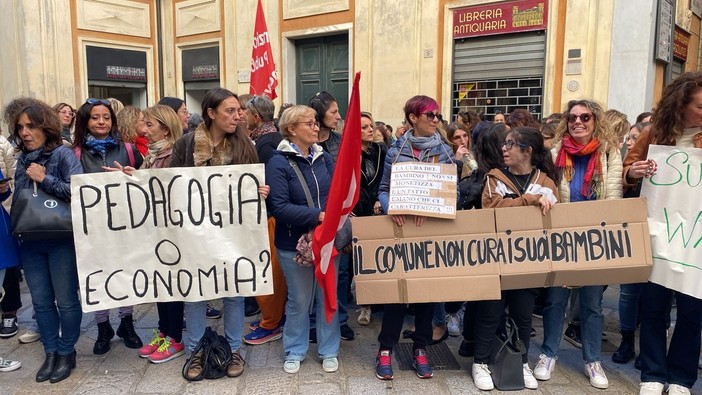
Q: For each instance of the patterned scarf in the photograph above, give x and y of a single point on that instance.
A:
(564, 162)
(265, 128)
(155, 149)
(99, 146)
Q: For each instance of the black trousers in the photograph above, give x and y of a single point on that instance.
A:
(170, 319)
(520, 303)
(12, 300)
(393, 319)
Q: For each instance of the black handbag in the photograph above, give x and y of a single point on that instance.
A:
(216, 356)
(506, 359)
(36, 215)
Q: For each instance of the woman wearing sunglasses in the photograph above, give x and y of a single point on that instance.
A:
(295, 215)
(589, 164)
(528, 178)
(98, 146)
(421, 143)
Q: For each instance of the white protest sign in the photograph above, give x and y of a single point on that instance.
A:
(427, 189)
(675, 218)
(180, 234)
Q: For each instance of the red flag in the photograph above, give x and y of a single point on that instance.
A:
(343, 196)
(263, 76)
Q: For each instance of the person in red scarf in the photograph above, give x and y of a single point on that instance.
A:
(589, 162)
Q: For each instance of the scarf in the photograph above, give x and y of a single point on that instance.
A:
(155, 149)
(99, 146)
(423, 143)
(33, 156)
(265, 128)
(206, 154)
(564, 162)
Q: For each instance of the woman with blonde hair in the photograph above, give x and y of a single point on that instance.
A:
(589, 165)
(130, 123)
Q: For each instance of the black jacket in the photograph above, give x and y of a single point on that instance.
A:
(92, 161)
(371, 173)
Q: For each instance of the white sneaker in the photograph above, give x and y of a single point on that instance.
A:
(650, 388)
(677, 389)
(291, 366)
(544, 367)
(529, 379)
(454, 327)
(7, 365)
(364, 315)
(330, 365)
(597, 376)
(29, 337)
(482, 378)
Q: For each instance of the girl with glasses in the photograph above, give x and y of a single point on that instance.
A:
(67, 116)
(528, 178)
(295, 215)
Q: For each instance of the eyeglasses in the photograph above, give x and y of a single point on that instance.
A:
(68, 113)
(583, 117)
(310, 124)
(94, 101)
(184, 111)
(430, 116)
(511, 143)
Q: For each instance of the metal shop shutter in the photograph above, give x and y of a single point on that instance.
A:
(500, 56)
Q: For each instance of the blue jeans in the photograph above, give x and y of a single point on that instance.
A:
(679, 364)
(629, 306)
(342, 287)
(302, 291)
(591, 321)
(52, 277)
(233, 316)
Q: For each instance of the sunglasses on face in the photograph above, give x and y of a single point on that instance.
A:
(430, 116)
(583, 118)
(94, 101)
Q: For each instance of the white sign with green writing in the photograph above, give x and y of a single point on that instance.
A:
(675, 218)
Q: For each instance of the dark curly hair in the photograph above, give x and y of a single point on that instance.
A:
(668, 116)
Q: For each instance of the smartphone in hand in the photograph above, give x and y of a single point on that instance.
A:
(4, 180)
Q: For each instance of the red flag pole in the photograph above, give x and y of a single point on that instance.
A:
(342, 198)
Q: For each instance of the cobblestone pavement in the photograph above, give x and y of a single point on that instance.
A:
(121, 371)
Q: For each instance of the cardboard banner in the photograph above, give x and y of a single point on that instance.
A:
(427, 189)
(674, 212)
(181, 234)
(485, 251)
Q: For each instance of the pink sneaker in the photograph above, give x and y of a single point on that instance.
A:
(153, 345)
(168, 350)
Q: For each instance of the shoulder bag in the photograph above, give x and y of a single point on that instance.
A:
(36, 215)
(215, 353)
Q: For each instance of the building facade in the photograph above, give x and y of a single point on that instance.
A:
(484, 55)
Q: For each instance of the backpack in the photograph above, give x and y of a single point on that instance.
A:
(216, 356)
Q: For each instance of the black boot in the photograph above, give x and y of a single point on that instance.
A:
(64, 365)
(126, 331)
(105, 334)
(626, 351)
(47, 367)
